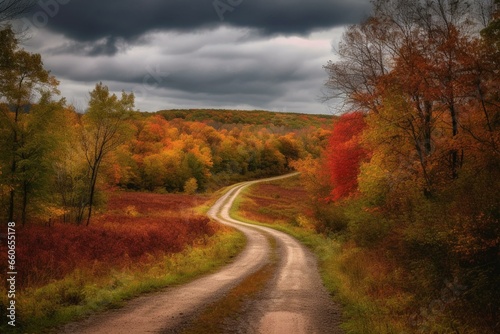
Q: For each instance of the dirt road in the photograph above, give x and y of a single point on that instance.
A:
(294, 301)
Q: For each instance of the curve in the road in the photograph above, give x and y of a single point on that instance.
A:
(295, 301)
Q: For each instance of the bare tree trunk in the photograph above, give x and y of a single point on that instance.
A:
(12, 193)
(25, 203)
(13, 167)
(93, 182)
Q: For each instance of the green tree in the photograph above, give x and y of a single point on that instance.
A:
(25, 123)
(191, 186)
(103, 129)
(289, 147)
(192, 167)
(69, 172)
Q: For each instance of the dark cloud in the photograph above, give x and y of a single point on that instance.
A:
(114, 20)
(252, 54)
(223, 67)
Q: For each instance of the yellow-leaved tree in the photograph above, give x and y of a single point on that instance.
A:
(103, 129)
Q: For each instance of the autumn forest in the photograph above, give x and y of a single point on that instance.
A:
(402, 183)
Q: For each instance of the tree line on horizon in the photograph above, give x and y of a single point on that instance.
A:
(55, 162)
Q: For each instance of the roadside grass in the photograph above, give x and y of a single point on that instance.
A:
(358, 280)
(83, 283)
(81, 294)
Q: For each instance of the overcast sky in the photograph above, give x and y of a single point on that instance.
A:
(243, 54)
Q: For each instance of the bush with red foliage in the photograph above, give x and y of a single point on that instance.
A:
(116, 239)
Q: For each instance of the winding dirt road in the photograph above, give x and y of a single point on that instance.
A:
(293, 302)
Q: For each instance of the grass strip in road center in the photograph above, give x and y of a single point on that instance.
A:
(231, 306)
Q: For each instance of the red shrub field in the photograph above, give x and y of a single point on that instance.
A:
(275, 203)
(135, 227)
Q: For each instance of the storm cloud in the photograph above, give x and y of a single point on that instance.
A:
(194, 53)
(92, 20)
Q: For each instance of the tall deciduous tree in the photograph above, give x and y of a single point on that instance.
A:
(413, 58)
(25, 122)
(103, 130)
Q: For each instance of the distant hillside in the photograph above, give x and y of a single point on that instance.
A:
(260, 117)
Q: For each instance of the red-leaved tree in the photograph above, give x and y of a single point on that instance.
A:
(345, 155)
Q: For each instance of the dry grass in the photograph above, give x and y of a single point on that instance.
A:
(136, 227)
(280, 202)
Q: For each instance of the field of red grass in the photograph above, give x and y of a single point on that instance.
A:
(272, 203)
(136, 228)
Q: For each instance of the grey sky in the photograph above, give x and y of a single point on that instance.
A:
(246, 54)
